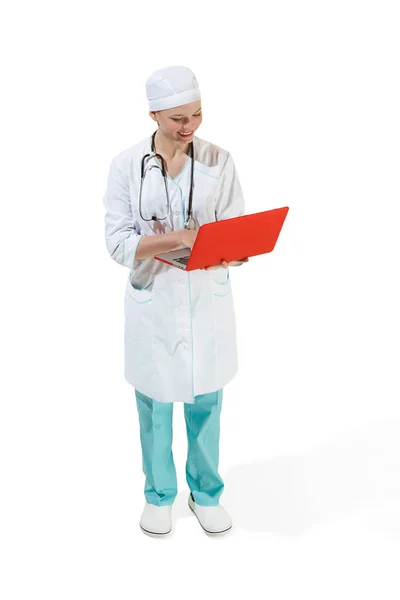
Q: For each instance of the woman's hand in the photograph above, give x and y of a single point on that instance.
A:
(188, 237)
(225, 264)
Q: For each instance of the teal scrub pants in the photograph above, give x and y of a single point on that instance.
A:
(202, 428)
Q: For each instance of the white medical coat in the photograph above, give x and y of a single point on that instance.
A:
(180, 330)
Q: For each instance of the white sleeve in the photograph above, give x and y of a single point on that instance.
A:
(121, 236)
(230, 201)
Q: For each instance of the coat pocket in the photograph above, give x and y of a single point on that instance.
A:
(223, 315)
(140, 295)
(138, 312)
(220, 282)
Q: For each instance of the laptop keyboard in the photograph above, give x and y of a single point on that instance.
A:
(183, 260)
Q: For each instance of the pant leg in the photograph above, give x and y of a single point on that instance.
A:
(203, 431)
(155, 420)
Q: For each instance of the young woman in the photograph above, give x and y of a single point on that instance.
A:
(180, 332)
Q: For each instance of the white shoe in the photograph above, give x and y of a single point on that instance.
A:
(213, 519)
(156, 520)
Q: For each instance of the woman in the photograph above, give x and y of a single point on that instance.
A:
(180, 335)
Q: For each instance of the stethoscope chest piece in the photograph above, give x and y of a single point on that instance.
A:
(190, 224)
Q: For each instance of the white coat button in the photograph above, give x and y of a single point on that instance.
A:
(185, 346)
(182, 281)
(176, 212)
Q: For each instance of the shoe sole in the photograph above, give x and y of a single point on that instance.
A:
(155, 534)
(206, 530)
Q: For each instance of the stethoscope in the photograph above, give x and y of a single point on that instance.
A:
(189, 222)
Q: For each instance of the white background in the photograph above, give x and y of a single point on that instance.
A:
(305, 96)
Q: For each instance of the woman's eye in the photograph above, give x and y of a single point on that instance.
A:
(199, 115)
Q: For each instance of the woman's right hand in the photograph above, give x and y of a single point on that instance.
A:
(188, 237)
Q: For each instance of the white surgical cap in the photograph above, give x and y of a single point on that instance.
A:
(170, 87)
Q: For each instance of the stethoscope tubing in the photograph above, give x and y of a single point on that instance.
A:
(164, 174)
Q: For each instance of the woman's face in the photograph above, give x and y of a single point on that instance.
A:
(180, 119)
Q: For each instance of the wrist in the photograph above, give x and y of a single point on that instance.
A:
(178, 237)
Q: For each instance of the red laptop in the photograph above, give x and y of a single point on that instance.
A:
(230, 240)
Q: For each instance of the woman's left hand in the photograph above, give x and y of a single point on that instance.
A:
(225, 264)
